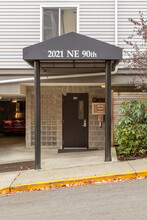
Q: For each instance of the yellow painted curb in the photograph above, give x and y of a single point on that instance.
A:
(5, 190)
(141, 173)
(62, 182)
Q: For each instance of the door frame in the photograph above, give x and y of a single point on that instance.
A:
(87, 119)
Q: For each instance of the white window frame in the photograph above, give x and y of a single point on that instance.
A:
(56, 6)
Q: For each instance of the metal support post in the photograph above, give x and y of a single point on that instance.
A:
(37, 115)
(108, 111)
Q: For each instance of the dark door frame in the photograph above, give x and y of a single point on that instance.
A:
(87, 118)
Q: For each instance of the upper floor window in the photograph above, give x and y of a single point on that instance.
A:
(58, 21)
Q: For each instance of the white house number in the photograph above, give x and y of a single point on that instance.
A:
(71, 53)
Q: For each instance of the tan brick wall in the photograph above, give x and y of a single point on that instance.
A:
(96, 134)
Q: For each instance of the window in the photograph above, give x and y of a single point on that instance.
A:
(58, 21)
(80, 109)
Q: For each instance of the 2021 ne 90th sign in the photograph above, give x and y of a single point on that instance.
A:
(71, 54)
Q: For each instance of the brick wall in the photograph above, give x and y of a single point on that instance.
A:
(51, 116)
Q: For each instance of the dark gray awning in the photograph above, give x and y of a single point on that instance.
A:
(72, 46)
(72, 53)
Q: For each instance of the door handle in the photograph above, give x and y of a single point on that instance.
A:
(85, 124)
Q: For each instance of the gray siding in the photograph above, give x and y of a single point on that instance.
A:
(20, 24)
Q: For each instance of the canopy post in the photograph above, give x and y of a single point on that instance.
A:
(108, 111)
(37, 114)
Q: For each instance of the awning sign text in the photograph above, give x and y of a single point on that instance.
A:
(71, 54)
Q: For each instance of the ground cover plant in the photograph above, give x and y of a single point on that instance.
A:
(131, 129)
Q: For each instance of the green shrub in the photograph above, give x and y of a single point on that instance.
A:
(131, 129)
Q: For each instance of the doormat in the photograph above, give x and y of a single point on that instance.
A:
(9, 167)
(70, 150)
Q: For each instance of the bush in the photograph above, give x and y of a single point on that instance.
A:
(131, 129)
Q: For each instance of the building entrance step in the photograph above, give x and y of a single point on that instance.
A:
(69, 150)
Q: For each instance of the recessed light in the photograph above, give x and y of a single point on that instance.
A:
(14, 101)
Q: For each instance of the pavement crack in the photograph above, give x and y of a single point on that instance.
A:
(132, 168)
(13, 181)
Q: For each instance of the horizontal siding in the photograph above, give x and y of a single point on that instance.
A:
(118, 98)
(96, 19)
(19, 28)
(20, 25)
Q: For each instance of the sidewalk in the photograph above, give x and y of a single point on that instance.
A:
(64, 174)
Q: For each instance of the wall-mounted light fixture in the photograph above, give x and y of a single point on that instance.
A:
(103, 86)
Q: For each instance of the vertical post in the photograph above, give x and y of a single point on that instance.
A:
(108, 111)
(37, 114)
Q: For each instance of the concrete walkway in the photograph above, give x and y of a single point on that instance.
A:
(33, 176)
(61, 166)
(12, 150)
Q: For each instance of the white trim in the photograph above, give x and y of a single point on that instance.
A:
(54, 77)
(73, 84)
(64, 84)
(59, 28)
(51, 77)
(41, 24)
(78, 24)
(56, 6)
(116, 22)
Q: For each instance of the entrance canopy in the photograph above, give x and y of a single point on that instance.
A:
(72, 53)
